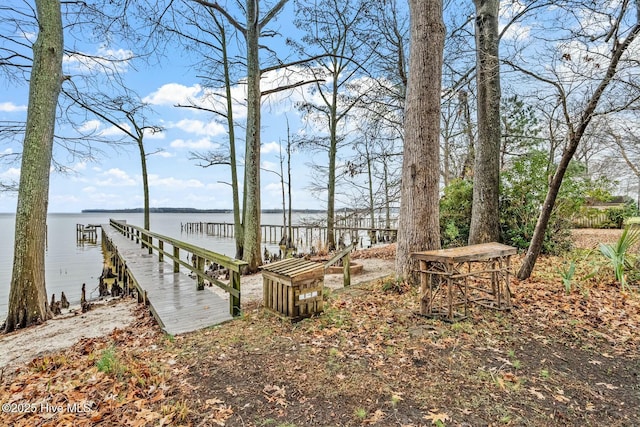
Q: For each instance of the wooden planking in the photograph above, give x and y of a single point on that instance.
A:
(173, 298)
(471, 253)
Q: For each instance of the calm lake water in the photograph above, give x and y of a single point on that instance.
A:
(69, 264)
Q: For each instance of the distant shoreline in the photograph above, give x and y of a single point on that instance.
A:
(192, 210)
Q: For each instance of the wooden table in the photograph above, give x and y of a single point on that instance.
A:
(454, 278)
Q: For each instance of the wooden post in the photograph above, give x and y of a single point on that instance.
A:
(200, 269)
(425, 289)
(160, 250)
(176, 258)
(234, 301)
(346, 262)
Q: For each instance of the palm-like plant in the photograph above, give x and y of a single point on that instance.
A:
(617, 253)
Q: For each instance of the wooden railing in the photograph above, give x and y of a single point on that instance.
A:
(345, 256)
(199, 256)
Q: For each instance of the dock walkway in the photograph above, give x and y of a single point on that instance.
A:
(173, 297)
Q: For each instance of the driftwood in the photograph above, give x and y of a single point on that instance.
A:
(63, 301)
(55, 306)
(116, 289)
(84, 304)
(102, 287)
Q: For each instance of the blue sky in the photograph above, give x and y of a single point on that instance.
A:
(114, 179)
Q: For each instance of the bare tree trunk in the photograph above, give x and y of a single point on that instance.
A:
(419, 227)
(252, 231)
(485, 223)
(467, 166)
(333, 151)
(145, 182)
(238, 226)
(575, 135)
(28, 295)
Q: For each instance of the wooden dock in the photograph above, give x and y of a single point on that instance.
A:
(304, 235)
(179, 303)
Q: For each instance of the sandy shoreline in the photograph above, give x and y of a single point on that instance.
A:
(20, 347)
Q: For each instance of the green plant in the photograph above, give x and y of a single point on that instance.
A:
(360, 413)
(109, 362)
(524, 184)
(617, 253)
(616, 216)
(455, 212)
(567, 273)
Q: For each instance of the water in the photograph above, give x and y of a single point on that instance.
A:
(69, 264)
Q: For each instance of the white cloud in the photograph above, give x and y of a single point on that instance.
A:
(10, 107)
(115, 130)
(174, 183)
(516, 32)
(117, 177)
(8, 151)
(164, 154)
(11, 173)
(201, 144)
(199, 127)
(270, 166)
(148, 134)
(90, 126)
(271, 147)
(172, 94)
(103, 60)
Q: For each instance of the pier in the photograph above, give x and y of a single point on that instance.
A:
(150, 264)
(88, 233)
(304, 235)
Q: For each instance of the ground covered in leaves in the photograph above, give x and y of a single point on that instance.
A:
(558, 358)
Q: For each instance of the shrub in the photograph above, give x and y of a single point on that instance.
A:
(524, 188)
(455, 213)
(617, 215)
(617, 254)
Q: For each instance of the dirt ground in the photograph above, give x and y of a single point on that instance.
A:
(20, 347)
(63, 331)
(559, 357)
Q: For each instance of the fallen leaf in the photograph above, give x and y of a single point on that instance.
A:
(608, 386)
(536, 393)
(436, 417)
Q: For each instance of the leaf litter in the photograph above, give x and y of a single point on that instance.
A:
(369, 359)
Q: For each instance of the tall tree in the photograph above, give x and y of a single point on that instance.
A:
(332, 28)
(28, 294)
(218, 68)
(485, 223)
(611, 31)
(418, 227)
(251, 30)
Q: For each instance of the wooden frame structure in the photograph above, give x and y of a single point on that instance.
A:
(452, 279)
(293, 287)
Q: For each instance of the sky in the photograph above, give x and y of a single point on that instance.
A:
(114, 180)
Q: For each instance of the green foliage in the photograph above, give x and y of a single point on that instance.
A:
(455, 213)
(109, 362)
(567, 273)
(617, 215)
(617, 253)
(520, 127)
(524, 188)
